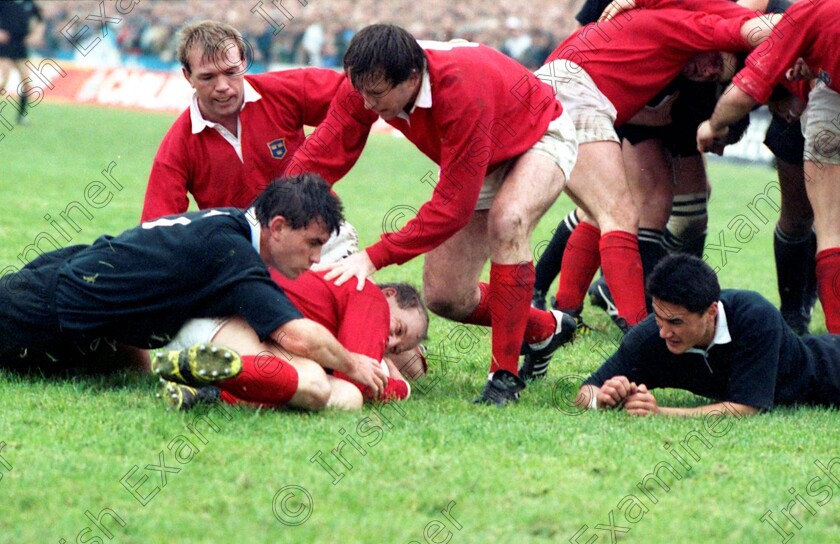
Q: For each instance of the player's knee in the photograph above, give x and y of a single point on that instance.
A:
(313, 389)
(507, 226)
(438, 303)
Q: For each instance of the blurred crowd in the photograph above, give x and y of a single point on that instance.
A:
(317, 32)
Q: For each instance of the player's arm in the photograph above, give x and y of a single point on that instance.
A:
(450, 208)
(731, 107)
(311, 340)
(337, 142)
(643, 403)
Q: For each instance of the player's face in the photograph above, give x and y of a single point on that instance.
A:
(293, 251)
(710, 66)
(408, 327)
(681, 329)
(388, 101)
(218, 83)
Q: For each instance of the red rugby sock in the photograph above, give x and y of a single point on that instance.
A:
(828, 286)
(540, 326)
(265, 380)
(622, 268)
(510, 302)
(580, 262)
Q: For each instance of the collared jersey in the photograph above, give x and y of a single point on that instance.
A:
(637, 54)
(360, 320)
(485, 108)
(764, 364)
(140, 287)
(808, 29)
(271, 129)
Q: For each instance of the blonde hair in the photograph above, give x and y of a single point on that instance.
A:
(211, 36)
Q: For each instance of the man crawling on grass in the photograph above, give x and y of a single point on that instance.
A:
(731, 346)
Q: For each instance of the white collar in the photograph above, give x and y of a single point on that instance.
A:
(256, 229)
(424, 96)
(198, 121)
(722, 335)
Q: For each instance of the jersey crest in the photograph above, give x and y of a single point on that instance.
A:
(277, 148)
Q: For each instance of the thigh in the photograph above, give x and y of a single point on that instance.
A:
(824, 194)
(451, 270)
(796, 216)
(649, 172)
(598, 182)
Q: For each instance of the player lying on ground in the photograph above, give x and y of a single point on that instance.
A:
(239, 131)
(379, 321)
(505, 149)
(89, 305)
(731, 346)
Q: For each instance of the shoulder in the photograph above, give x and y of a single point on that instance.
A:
(749, 311)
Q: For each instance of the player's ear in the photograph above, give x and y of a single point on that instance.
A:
(276, 225)
(712, 310)
(389, 292)
(186, 75)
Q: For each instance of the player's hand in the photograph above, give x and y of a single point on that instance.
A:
(4, 36)
(357, 266)
(799, 71)
(656, 116)
(710, 140)
(641, 403)
(615, 7)
(614, 391)
(368, 371)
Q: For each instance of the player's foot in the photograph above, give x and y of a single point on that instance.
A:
(599, 295)
(581, 328)
(538, 299)
(202, 364)
(184, 397)
(539, 355)
(502, 388)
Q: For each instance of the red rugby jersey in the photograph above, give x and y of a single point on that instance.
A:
(207, 166)
(486, 108)
(631, 58)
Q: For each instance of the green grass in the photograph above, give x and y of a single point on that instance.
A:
(528, 473)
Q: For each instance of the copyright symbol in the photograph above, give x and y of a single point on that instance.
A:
(229, 50)
(564, 392)
(400, 215)
(292, 505)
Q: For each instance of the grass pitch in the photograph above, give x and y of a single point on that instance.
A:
(99, 457)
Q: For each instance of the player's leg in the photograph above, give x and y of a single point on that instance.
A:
(551, 259)
(647, 165)
(270, 375)
(528, 190)
(794, 241)
(794, 248)
(344, 395)
(688, 223)
(599, 182)
(25, 77)
(822, 170)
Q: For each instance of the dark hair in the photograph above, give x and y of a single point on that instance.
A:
(408, 297)
(380, 52)
(686, 281)
(301, 200)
